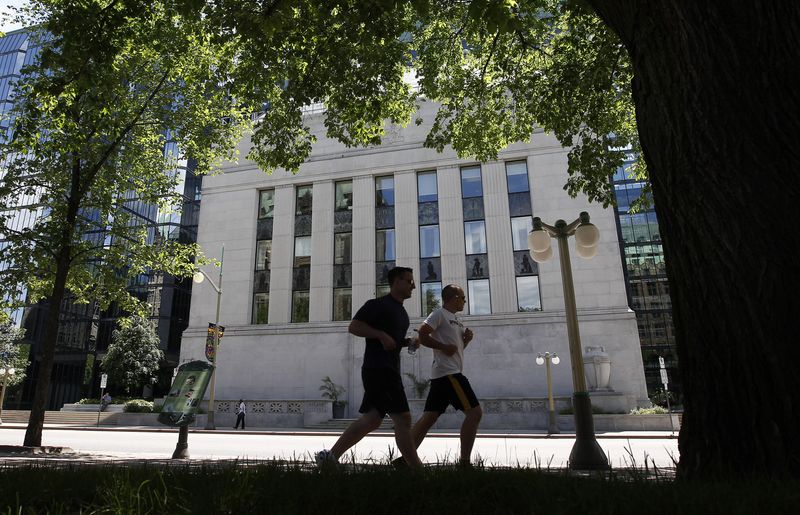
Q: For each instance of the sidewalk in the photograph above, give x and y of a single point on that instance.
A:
(433, 433)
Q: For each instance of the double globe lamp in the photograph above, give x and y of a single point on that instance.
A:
(586, 453)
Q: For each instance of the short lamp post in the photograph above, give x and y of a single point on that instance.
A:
(586, 453)
(546, 359)
(7, 373)
(198, 278)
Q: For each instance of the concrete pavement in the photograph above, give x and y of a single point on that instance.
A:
(494, 448)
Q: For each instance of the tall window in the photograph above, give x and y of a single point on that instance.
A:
(525, 268)
(301, 274)
(342, 251)
(430, 262)
(476, 250)
(384, 233)
(266, 208)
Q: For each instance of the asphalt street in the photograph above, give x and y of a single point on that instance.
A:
(494, 449)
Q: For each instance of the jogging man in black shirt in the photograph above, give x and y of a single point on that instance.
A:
(383, 322)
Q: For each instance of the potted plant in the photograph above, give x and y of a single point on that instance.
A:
(334, 392)
(420, 385)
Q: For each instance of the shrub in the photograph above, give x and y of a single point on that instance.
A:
(138, 406)
(655, 410)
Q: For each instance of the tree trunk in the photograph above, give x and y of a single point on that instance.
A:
(718, 118)
(33, 433)
(63, 255)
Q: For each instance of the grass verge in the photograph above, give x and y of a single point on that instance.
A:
(294, 487)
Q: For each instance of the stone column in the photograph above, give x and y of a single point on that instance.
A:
(407, 231)
(321, 301)
(280, 291)
(363, 251)
(502, 283)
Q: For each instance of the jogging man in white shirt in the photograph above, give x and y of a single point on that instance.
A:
(443, 332)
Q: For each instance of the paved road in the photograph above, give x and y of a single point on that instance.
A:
(623, 450)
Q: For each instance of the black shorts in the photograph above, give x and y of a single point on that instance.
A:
(451, 389)
(383, 391)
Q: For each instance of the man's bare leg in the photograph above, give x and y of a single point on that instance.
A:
(423, 425)
(357, 430)
(469, 428)
(402, 436)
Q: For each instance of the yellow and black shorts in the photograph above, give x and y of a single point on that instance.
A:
(451, 389)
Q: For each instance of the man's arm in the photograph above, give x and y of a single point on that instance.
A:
(364, 330)
(427, 340)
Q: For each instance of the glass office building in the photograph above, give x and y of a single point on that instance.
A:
(646, 280)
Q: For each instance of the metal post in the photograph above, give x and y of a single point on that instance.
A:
(552, 427)
(211, 406)
(100, 407)
(586, 453)
(182, 448)
(3, 394)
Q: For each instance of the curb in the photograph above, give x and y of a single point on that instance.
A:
(380, 433)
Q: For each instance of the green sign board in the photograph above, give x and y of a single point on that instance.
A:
(188, 389)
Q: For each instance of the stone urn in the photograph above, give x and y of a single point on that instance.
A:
(597, 367)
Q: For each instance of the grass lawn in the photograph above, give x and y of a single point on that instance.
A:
(294, 487)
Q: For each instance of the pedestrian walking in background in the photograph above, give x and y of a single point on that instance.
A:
(241, 411)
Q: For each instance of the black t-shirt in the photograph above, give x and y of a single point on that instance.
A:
(389, 316)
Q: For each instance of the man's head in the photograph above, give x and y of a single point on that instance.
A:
(453, 298)
(401, 282)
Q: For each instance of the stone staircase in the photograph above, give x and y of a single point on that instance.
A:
(72, 418)
(340, 424)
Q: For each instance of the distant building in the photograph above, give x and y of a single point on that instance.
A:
(303, 252)
(646, 278)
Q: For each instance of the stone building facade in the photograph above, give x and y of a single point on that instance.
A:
(303, 252)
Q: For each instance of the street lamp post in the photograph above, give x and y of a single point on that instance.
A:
(198, 278)
(7, 372)
(586, 453)
(546, 359)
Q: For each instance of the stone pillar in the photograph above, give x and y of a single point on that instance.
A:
(363, 251)
(407, 231)
(321, 301)
(502, 282)
(280, 291)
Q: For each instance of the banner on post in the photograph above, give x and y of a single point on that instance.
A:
(187, 390)
(210, 350)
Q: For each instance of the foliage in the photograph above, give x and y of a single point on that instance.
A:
(122, 98)
(114, 400)
(654, 410)
(134, 357)
(420, 385)
(13, 354)
(289, 487)
(496, 69)
(90, 164)
(138, 406)
(660, 396)
(332, 391)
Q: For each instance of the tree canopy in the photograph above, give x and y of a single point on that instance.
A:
(13, 354)
(123, 98)
(134, 356)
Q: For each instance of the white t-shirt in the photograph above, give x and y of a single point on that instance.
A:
(447, 328)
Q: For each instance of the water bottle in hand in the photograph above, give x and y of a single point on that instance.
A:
(412, 342)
